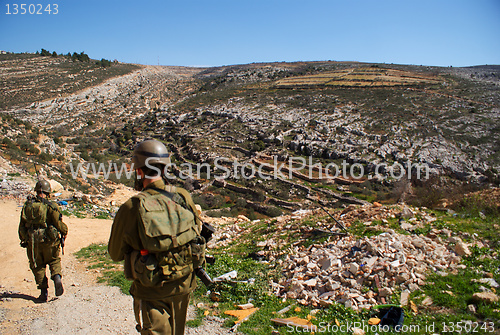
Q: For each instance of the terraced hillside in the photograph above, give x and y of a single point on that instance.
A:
(240, 119)
(259, 112)
(63, 127)
(360, 77)
(29, 78)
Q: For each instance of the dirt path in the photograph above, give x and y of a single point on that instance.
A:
(85, 308)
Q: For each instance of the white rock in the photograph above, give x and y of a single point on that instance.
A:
(296, 286)
(402, 277)
(385, 291)
(327, 295)
(312, 266)
(371, 261)
(395, 264)
(407, 213)
(325, 303)
(490, 281)
(427, 301)
(311, 282)
(418, 243)
(325, 263)
(486, 297)
(405, 295)
(358, 331)
(462, 249)
(454, 239)
(354, 268)
(471, 309)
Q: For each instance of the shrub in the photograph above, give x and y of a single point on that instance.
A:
(273, 211)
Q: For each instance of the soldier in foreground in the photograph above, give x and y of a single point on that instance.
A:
(157, 234)
(41, 232)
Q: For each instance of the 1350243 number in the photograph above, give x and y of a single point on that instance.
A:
(37, 9)
(468, 327)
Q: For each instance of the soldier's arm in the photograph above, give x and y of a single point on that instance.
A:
(23, 232)
(54, 217)
(124, 236)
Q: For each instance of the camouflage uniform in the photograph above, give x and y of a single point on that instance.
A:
(163, 308)
(45, 250)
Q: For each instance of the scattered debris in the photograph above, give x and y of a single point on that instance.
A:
(471, 309)
(284, 310)
(356, 272)
(227, 276)
(246, 306)
(294, 322)
(241, 314)
(486, 297)
(490, 281)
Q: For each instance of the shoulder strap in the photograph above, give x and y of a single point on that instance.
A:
(49, 203)
(33, 199)
(175, 197)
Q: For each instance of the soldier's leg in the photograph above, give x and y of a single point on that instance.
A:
(52, 257)
(165, 316)
(155, 318)
(38, 266)
(44, 293)
(180, 305)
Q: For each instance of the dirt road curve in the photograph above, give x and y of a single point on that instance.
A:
(85, 308)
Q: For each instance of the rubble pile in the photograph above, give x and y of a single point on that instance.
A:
(410, 218)
(231, 228)
(348, 270)
(14, 189)
(228, 228)
(359, 272)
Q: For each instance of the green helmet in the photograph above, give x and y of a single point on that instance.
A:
(150, 152)
(42, 186)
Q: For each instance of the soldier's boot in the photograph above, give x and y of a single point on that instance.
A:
(58, 284)
(44, 294)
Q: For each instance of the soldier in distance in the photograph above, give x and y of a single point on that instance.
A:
(41, 231)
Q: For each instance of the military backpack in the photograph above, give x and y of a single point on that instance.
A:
(35, 218)
(170, 235)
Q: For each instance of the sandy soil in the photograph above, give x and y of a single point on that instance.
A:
(86, 307)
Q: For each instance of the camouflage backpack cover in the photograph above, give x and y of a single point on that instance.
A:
(170, 234)
(34, 216)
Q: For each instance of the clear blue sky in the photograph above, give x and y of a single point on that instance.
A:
(223, 32)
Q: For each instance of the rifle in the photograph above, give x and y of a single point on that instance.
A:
(63, 241)
(204, 276)
(36, 171)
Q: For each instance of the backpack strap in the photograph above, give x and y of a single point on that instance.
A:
(50, 205)
(180, 199)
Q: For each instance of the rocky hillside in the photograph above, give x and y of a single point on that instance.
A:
(444, 119)
(255, 144)
(375, 118)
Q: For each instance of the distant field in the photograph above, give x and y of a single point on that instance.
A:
(25, 79)
(362, 77)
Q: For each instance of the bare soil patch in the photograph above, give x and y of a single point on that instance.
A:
(86, 307)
